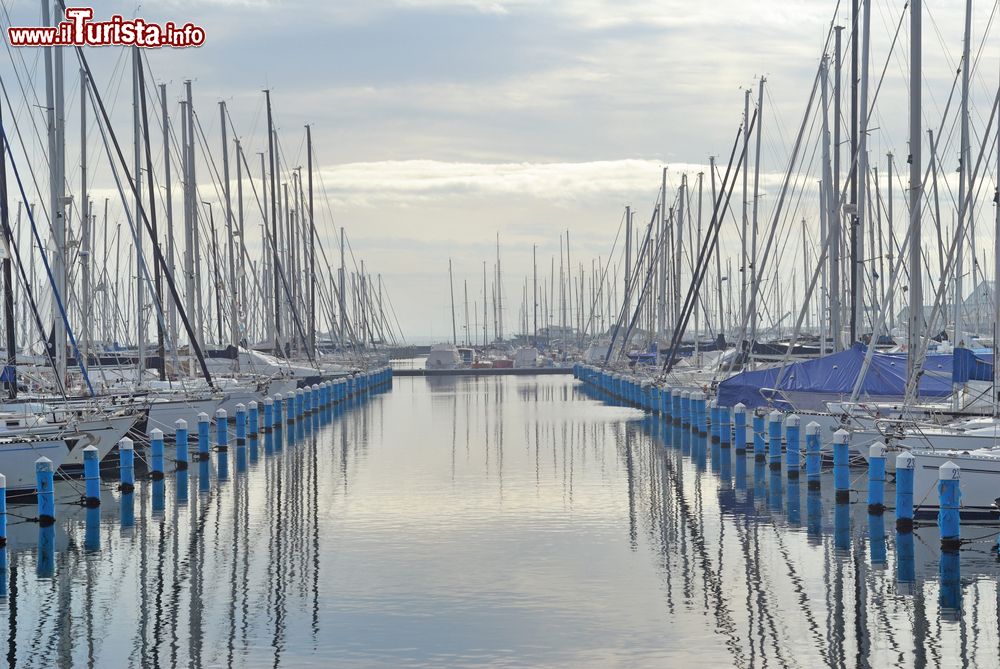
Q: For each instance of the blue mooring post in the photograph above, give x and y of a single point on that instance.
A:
(268, 415)
(713, 418)
(181, 439)
(759, 443)
(793, 446)
(279, 407)
(156, 454)
(241, 425)
(740, 428)
(725, 427)
(3, 521)
(92, 477)
(290, 408)
(841, 467)
(300, 400)
(126, 464)
(949, 497)
(46, 491)
(203, 436)
(876, 478)
(222, 430)
(253, 419)
(774, 440)
(814, 456)
(905, 466)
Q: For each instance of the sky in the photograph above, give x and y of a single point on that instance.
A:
(439, 124)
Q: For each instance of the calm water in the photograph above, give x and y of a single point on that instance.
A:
(494, 522)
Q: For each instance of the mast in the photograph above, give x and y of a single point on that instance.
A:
(835, 220)
(234, 333)
(853, 174)
(915, 313)
(826, 201)
(343, 294)
(275, 225)
(9, 375)
(718, 252)
(892, 236)
(861, 180)
(86, 310)
(697, 330)
(754, 278)
(451, 287)
(499, 294)
(745, 276)
(996, 288)
(964, 185)
(485, 301)
(465, 289)
(312, 247)
(169, 206)
(140, 294)
(534, 294)
(628, 258)
(241, 264)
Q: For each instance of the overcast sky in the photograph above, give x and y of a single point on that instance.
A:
(439, 123)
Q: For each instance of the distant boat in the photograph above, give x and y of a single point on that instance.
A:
(444, 356)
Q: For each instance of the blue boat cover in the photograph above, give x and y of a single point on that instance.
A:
(836, 374)
(972, 365)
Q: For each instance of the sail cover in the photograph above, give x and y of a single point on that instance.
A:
(972, 366)
(834, 376)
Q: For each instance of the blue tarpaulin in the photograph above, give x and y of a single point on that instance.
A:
(971, 366)
(836, 375)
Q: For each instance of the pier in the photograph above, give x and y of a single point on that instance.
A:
(487, 371)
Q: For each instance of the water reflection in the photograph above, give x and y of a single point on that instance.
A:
(485, 522)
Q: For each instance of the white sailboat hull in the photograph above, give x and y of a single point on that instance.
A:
(979, 482)
(17, 461)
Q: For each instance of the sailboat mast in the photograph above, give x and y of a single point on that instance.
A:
(861, 177)
(963, 184)
(754, 278)
(915, 292)
(275, 225)
(451, 287)
(312, 246)
(169, 210)
(9, 375)
(234, 334)
(86, 310)
(835, 219)
(140, 294)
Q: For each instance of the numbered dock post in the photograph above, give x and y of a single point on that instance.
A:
(793, 446)
(203, 436)
(714, 429)
(92, 477)
(126, 465)
(774, 439)
(3, 517)
(841, 467)
(905, 466)
(949, 496)
(268, 414)
(253, 419)
(156, 454)
(241, 425)
(814, 456)
(725, 427)
(300, 403)
(290, 409)
(181, 443)
(222, 430)
(46, 496)
(740, 428)
(759, 441)
(876, 478)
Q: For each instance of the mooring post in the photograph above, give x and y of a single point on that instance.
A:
(714, 429)
(156, 454)
(905, 466)
(91, 476)
(268, 414)
(774, 439)
(793, 445)
(876, 478)
(3, 519)
(740, 428)
(290, 409)
(203, 436)
(241, 425)
(725, 427)
(126, 464)
(181, 442)
(759, 441)
(253, 419)
(46, 494)
(222, 430)
(949, 497)
(841, 467)
(814, 456)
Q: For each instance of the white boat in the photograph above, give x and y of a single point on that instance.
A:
(443, 356)
(526, 356)
(979, 481)
(17, 460)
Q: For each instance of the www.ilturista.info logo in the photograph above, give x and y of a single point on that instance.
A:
(80, 30)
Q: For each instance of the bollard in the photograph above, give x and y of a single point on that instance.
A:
(814, 456)
(792, 446)
(774, 439)
(3, 516)
(241, 425)
(279, 407)
(126, 464)
(713, 418)
(949, 497)
(290, 408)
(725, 427)
(300, 401)
(740, 428)
(841, 468)
(268, 414)
(156, 454)
(181, 441)
(759, 445)
(46, 491)
(253, 419)
(222, 430)
(203, 436)
(905, 465)
(91, 477)
(876, 478)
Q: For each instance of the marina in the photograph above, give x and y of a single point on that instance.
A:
(448, 333)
